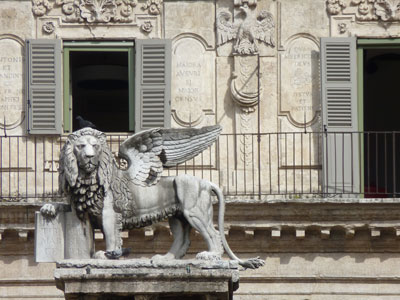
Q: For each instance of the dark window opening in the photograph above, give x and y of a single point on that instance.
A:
(381, 114)
(100, 89)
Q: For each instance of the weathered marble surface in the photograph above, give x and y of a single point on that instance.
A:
(12, 106)
(49, 238)
(101, 279)
(64, 237)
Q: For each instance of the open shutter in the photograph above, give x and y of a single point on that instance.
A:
(44, 86)
(153, 84)
(339, 110)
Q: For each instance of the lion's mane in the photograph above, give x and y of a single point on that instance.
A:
(86, 190)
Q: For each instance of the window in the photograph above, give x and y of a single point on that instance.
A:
(118, 86)
(99, 85)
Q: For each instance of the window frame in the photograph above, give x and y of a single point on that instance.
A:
(363, 44)
(96, 46)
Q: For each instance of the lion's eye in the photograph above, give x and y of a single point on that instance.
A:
(80, 147)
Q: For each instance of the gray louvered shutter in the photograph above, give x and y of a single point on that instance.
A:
(153, 84)
(44, 86)
(339, 111)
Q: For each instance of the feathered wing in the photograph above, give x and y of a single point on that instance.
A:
(226, 29)
(264, 28)
(180, 145)
(142, 151)
(147, 152)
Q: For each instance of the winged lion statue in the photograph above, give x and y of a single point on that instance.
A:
(114, 199)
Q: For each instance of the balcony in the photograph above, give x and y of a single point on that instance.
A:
(249, 166)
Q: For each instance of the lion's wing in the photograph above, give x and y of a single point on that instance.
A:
(180, 145)
(142, 151)
(147, 152)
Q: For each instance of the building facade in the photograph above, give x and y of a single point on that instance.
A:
(305, 91)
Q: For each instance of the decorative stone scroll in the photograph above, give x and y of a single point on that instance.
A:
(245, 88)
(153, 6)
(192, 81)
(299, 90)
(366, 10)
(12, 110)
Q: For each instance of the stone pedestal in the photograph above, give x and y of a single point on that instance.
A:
(146, 280)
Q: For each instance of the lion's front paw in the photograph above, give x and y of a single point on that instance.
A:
(206, 255)
(159, 257)
(48, 211)
(100, 255)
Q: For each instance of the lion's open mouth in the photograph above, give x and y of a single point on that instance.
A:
(90, 166)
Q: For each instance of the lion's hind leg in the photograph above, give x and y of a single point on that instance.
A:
(180, 229)
(194, 194)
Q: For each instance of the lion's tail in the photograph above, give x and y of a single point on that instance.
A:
(252, 263)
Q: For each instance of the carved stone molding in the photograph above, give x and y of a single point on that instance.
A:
(48, 27)
(246, 93)
(372, 10)
(89, 11)
(299, 95)
(247, 28)
(366, 10)
(153, 6)
(335, 7)
(364, 18)
(193, 80)
(246, 140)
(12, 109)
(146, 26)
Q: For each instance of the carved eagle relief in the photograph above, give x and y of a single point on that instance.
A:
(253, 27)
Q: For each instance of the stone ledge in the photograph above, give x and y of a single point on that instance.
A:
(301, 225)
(102, 279)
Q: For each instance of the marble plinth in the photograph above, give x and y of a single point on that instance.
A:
(147, 280)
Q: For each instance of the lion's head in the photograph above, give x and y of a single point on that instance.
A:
(87, 150)
(84, 155)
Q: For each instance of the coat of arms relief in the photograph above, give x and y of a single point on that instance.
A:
(247, 29)
(250, 30)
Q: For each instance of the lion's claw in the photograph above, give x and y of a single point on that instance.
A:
(115, 254)
(252, 263)
(48, 211)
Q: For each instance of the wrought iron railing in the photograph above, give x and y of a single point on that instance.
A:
(289, 164)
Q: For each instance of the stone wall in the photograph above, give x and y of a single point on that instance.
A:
(314, 250)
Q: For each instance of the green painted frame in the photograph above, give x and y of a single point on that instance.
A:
(362, 44)
(360, 110)
(94, 46)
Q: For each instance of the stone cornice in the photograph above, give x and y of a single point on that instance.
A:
(301, 225)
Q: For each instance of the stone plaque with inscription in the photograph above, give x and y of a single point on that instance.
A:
(49, 238)
(11, 83)
(78, 237)
(192, 82)
(300, 94)
(63, 237)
